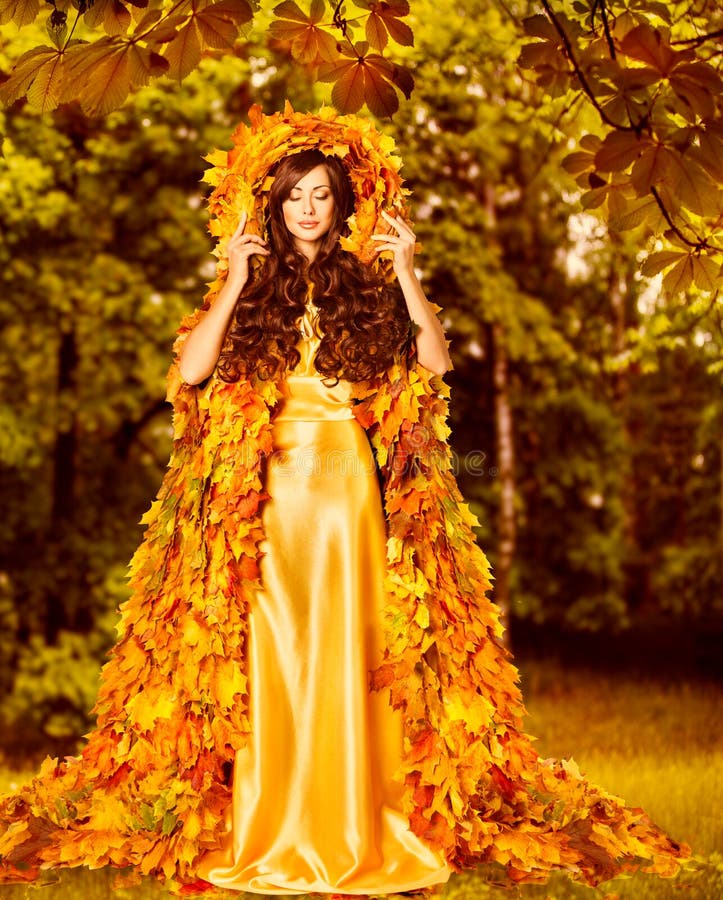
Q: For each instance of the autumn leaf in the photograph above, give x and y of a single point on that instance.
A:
(648, 45)
(679, 279)
(44, 63)
(619, 150)
(309, 42)
(184, 50)
(656, 262)
(383, 21)
(112, 15)
(22, 12)
(218, 23)
(366, 78)
(109, 69)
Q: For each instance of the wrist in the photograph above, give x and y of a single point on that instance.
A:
(233, 285)
(407, 275)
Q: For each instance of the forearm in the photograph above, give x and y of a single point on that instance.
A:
(202, 347)
(432, 350)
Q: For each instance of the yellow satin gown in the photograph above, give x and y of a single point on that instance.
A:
(315, 804)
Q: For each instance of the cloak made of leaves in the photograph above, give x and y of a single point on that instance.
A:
(150, 787)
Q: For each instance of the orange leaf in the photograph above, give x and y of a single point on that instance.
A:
(384, 22)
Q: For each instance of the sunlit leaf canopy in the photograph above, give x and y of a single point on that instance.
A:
(651, 73)
(101, 51)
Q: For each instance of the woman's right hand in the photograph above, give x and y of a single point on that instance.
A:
(240, 247)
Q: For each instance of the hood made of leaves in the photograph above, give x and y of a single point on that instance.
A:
(241, 179)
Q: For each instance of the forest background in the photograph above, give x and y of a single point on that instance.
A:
(587, 410)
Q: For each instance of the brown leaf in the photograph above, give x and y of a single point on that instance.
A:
(696, 85)
(98, 75)
(619, 149)
(578, 162)
(541, 27)
(44, 93)
(649, 46)
(27, 69)
(309, 42)
(634, 214)
(656, 262)
(706, 273)
(710, 152)
(384, 22)
(348, 94)
(218, 23)
(687, 184)
(184, 51)
(680, 277)
(21, 12)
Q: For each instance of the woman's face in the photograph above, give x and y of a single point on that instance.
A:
(309, 210)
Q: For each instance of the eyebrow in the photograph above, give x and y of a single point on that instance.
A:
(297, 188)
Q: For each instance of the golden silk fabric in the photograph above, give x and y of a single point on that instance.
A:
(315, 803)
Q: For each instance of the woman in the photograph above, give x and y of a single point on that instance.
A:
(315, 806)
(308, 694)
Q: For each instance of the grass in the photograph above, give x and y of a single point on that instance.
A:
(657, 744)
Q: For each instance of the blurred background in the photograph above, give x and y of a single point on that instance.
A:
(587, 439)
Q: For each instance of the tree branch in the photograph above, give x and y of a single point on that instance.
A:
(698, 244)
(606, 26)
(581, 77)
(697, 41)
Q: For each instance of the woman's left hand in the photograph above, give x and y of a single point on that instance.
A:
(401, 244)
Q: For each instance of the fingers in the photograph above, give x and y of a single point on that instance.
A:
(398, 223)
(238, 240)
(249, 248)
(241, 225)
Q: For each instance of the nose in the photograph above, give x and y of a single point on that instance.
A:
(309, 206)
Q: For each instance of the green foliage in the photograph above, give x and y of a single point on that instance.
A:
(102, 252)
(572, 461)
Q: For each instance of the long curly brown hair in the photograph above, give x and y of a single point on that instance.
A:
(363, 319)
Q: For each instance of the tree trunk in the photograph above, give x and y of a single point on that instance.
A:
(65, 442)
(505, 448)
(635, 567)
(506, 474)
